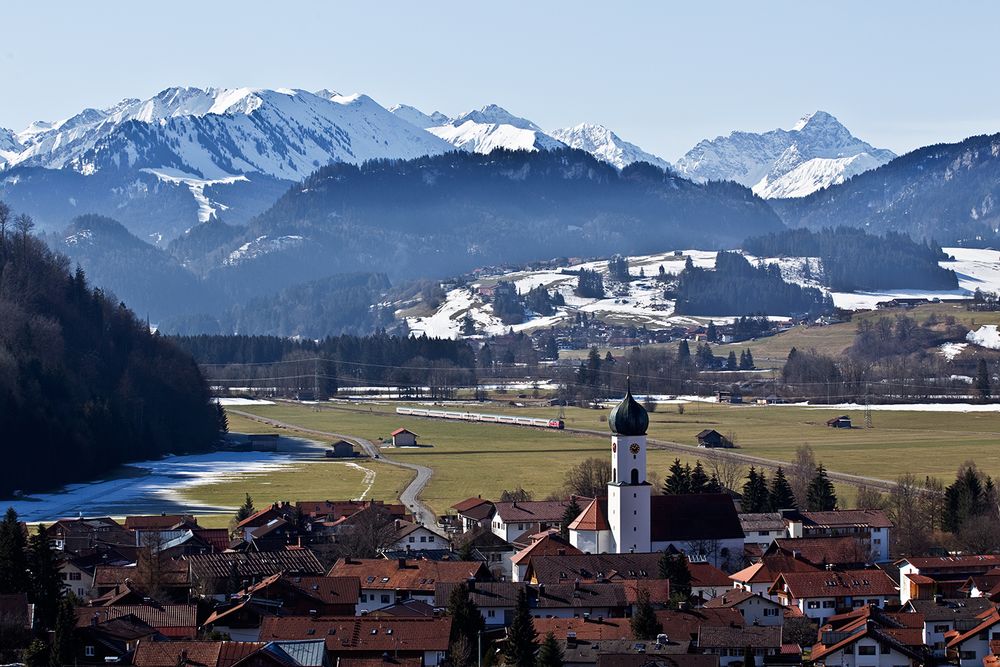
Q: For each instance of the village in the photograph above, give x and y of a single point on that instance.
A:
(623, 578)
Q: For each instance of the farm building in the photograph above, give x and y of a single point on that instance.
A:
(728, 397)
(340, 450)
(842, 421)
(710, 438)
(402, 437)
(263, 442)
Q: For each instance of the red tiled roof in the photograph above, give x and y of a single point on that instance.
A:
(822, 584)
(172, 573)
(846, 518)
(532, 511)
(550, 545)
(362, 633)
(469, 503)
(588, 630)
(658, 589)
(407, 574)
(217, 538)
(594, 517)
(402, 430)
(953, 562)
(991, 618)
(196, 653)
(704, 574)
(728, 636)
(685, 624)
(821, 551)
(159, 522)
(732, 598)
(172, 620)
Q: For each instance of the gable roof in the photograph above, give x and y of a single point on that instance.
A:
(760, 521)
(172, 619)
(823, 584)
(950, 610)
(592, 567)
(159, 522)
(363, 633)
(531, 511)
(585, 629)
(821, 551)
(734, 598)
(400, 431)
(846, 518)
(686, 623)
(929, 564)
(254, 564)
(695, 516)
(196, 653)
(550, 544)
(407, 574)
(706, 575)
(464, 505)
(727, 636)
(989, 619)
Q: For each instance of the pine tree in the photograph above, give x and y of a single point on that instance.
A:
(749, 660)
(674, 567)
(731, 364)
(782, 496)
(683, 353)
(714, 485)
(572, 511)
(756, 497)
(644, 624)
(699, 479)
(678, 480)
(522, 640)
(550, 654)
(821, 495)
(983, 385)
(61, 652)
(246, 510)
(466, 619)
(746, 361)
(222, 418)
(46, 579)
(711, 334)
(13, 556)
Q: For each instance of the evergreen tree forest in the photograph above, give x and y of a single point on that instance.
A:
(737, 287)
(853, 259)
(83, 382)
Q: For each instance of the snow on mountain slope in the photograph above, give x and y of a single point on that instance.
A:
(416, 117)
(605, 145)
(762, 161)
(220, 133)
(491, 127)
(816, 174)
(9, 146)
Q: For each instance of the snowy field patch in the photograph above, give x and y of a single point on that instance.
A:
(985, 336)
(228, 400)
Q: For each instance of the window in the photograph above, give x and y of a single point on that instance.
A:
(812, 604)
(364, 597)
(771, 612)
(430, 538)
(385, 599)
(89, 651)
(884, 649)
(828, 604)
(74, 576)
(763, 533)
(866, 650)
(967, 655)
(412, 538)
(490, 613)
(423, 538)
(942, 627)
(634, 477)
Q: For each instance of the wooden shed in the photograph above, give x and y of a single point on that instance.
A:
(340, 450)
(842, 421)
(402, 437)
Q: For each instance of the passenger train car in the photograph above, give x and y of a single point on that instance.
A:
(479, 417)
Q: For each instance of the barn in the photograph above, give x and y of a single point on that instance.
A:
(402, 437)
(842, 421)
(340, 450)
(710, 438)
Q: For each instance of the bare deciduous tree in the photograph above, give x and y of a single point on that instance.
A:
(869, 498)
(365, 535)
(589, 478)
(801, 473)
(726, 469)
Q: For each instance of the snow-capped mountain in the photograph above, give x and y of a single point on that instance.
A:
(817, 152)
(415, 116)
(221, 133)
(9, 146)
(605, 145)
(482, 130)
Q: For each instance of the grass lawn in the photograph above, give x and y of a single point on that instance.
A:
(471, 459)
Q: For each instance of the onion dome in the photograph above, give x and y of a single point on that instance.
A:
(628, 417)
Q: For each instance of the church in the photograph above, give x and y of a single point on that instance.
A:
(630, 519)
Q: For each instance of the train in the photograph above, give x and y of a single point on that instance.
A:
(479, 417)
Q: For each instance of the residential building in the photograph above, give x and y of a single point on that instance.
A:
(820, 595)
(510, 521)
(870, 526)
(753, 607)
(387, 582)
(926, 576)
(731, 643)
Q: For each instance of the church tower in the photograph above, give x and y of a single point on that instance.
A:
(628, 491)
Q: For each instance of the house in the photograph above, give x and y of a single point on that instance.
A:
(417, 537)
(16, 612)
(870, 526)
(842, 421)
(759, 577)
(81, 535)
(707, 581)
(753, 607)
(584, 629)
(869, 637)
(555, 569)
(547, 543)
(402, 437)
(386, 582)
(484, 546)
(175, 578)
(497, 600)
(370, 637)
(111, 641)
(731, 643)
(473, 512)
(158, 522)
(511, 520)
(193, 653)
(341, 450)
(942, 618)
(983, 585)
(662, 651)
(927, 576)
(839, 553)
(761, 529)
(973, 644)
(711, 439)
(685, 624)
(820, 595)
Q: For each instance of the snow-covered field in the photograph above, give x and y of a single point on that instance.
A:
(160, 489)
(985, 336)
(641, 302)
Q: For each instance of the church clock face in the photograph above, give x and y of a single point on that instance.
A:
(634, 448)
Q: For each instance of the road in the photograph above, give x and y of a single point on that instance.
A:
(410, 496)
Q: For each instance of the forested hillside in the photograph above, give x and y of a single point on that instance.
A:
(736, 286)
(856, 260)
(454, 212)
(84, 385)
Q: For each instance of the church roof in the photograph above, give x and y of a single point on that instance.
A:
(628, 417)
(695, 516)
(593, 517)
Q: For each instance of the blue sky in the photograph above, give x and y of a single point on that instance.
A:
(663, 75)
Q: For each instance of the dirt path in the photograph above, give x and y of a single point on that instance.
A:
(410, 496)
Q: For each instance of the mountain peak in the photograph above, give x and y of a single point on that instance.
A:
(605, 145)
(817, 118)
(493, 114)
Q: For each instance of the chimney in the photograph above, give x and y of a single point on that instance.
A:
(586, 617)
(662, 639)
(560, 552)
(541, 590)
(397, 524)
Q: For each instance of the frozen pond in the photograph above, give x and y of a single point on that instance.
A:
(154, 487)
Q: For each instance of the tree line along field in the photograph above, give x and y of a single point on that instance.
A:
(473, 458)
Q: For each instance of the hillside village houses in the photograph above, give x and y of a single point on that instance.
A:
(328, 582)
